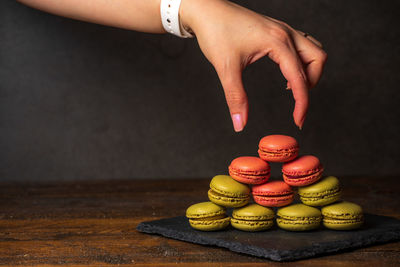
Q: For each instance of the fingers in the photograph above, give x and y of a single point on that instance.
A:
(312, 39)
(311, 54)
(230, 76)
(292, 69)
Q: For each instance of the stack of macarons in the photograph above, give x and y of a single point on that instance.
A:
(249, 177)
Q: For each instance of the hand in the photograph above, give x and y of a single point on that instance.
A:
(232, 37)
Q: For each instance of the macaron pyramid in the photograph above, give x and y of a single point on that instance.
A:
(249, 175)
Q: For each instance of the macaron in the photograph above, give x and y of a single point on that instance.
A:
(207, 216)
(298, 217)
(324, 192)
(225, 191)
(249, 170)
(342, 216)
(302, 171)
(252, 218)
(278, 148)
(273, 194)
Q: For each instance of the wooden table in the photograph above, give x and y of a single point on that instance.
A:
(93, 224)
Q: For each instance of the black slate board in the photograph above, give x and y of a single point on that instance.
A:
(277, 244)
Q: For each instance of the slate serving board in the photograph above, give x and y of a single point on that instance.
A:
(279, 245)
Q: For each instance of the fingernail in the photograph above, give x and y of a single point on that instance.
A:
(301, 123)
(288, 88)
(237, 122)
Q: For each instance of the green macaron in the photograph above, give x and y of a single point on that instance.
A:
(298, 217)
(207, 216)
(322, 193)
(227, 192)
(252, 218)
(342, 216)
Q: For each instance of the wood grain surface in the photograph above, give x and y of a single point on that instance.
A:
(93, 224)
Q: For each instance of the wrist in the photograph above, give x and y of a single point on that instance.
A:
(185, 15)
(190, 11)
(194, 14)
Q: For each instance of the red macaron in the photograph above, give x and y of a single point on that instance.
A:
(302, 171)
(249, 170)
(273, 194)
(278, 148)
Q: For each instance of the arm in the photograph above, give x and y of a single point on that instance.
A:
(137, 15)
(230, 36)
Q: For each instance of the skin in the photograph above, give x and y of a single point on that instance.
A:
(230, 36)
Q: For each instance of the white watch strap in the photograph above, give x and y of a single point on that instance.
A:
(170, 18)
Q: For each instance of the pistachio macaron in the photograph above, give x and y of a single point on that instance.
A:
(323, 192)
(298, 217)
(252, 218)
(342, 216)
(207, 216)
(227, 192)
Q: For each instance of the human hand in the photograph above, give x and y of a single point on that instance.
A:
(232, 37)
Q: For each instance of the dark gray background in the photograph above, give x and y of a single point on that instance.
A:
(83, 101)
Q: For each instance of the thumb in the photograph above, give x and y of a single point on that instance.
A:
(235, 95)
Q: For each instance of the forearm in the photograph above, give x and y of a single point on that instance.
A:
(138, 15)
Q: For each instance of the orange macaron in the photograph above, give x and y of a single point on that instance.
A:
(278, 148)
(249, 170)
(302, 171)
(273, 194)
